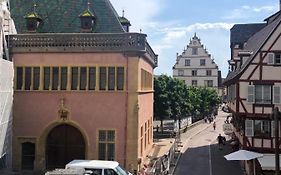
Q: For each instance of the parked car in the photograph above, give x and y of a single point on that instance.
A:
(98, 167)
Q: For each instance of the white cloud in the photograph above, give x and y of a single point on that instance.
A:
(139, 12)
(172, 34)
(249, 11)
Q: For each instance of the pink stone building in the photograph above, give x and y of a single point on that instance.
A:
(84, 94)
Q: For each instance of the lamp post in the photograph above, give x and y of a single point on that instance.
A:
(276, 115)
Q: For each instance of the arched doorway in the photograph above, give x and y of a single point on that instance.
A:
(64, 143)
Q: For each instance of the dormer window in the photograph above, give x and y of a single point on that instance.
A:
(87, 20)
(33, 21)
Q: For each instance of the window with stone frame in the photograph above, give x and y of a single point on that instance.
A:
(74, 78)
(36, 78)
(27, 78)
(208, 83)
(181, 72)
(19, 78)
(120, 78)
(102, 78)
(194, 72)
(202, 62)
(194, 82)
(55, 78)
(187, 62)
(111, 78)
(63, 78)
(83, 78)
(47, 78)
(208, 72)
(106, 144)
(92, 78)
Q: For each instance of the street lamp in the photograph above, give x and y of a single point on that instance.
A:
(276, 116)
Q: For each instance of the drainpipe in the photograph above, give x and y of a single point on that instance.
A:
(126, 111)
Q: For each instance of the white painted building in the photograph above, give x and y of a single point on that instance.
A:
(6, 87)
(195, 66)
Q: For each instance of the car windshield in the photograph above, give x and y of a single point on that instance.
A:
(121, 171)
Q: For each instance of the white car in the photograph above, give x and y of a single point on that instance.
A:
(98, 167)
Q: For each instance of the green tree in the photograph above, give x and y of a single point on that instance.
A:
(174, 99)
(161, 105)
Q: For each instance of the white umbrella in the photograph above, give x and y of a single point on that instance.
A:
(243, 155)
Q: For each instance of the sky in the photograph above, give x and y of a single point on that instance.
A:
(169, 24)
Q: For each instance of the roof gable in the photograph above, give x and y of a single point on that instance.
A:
(254, 44)
(63, 16)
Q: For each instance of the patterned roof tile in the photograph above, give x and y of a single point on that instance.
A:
(62, 16)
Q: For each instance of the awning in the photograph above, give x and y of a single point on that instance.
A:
(268, 162)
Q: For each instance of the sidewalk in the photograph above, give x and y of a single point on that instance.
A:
(164, 142)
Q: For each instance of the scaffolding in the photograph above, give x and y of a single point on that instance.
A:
(6, 86)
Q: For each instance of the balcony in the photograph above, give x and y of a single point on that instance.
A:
(134, 43)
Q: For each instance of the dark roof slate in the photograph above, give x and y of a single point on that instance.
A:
(254, 44)
(240, 33)
(62, 16)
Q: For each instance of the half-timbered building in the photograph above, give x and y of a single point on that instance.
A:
(254, 84)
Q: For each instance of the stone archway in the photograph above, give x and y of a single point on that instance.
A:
(63, 144)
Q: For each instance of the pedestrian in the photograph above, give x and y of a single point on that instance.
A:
(205, 119)
(220, 141)
(214, 125)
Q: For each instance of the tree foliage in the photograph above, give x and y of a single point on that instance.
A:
(173, 99)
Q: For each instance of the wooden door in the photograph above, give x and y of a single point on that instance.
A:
(64, 143)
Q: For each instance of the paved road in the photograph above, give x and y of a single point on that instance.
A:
(201, 156)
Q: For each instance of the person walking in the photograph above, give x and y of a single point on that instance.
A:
(220, 141)
(214, 125)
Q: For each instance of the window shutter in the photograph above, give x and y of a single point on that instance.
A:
(249, 128)
(270, 58)
(276, 95)
(251, 94)
(273, 128)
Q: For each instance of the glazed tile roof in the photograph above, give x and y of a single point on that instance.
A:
(254, 44)
(240, 33)
(62, 16)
